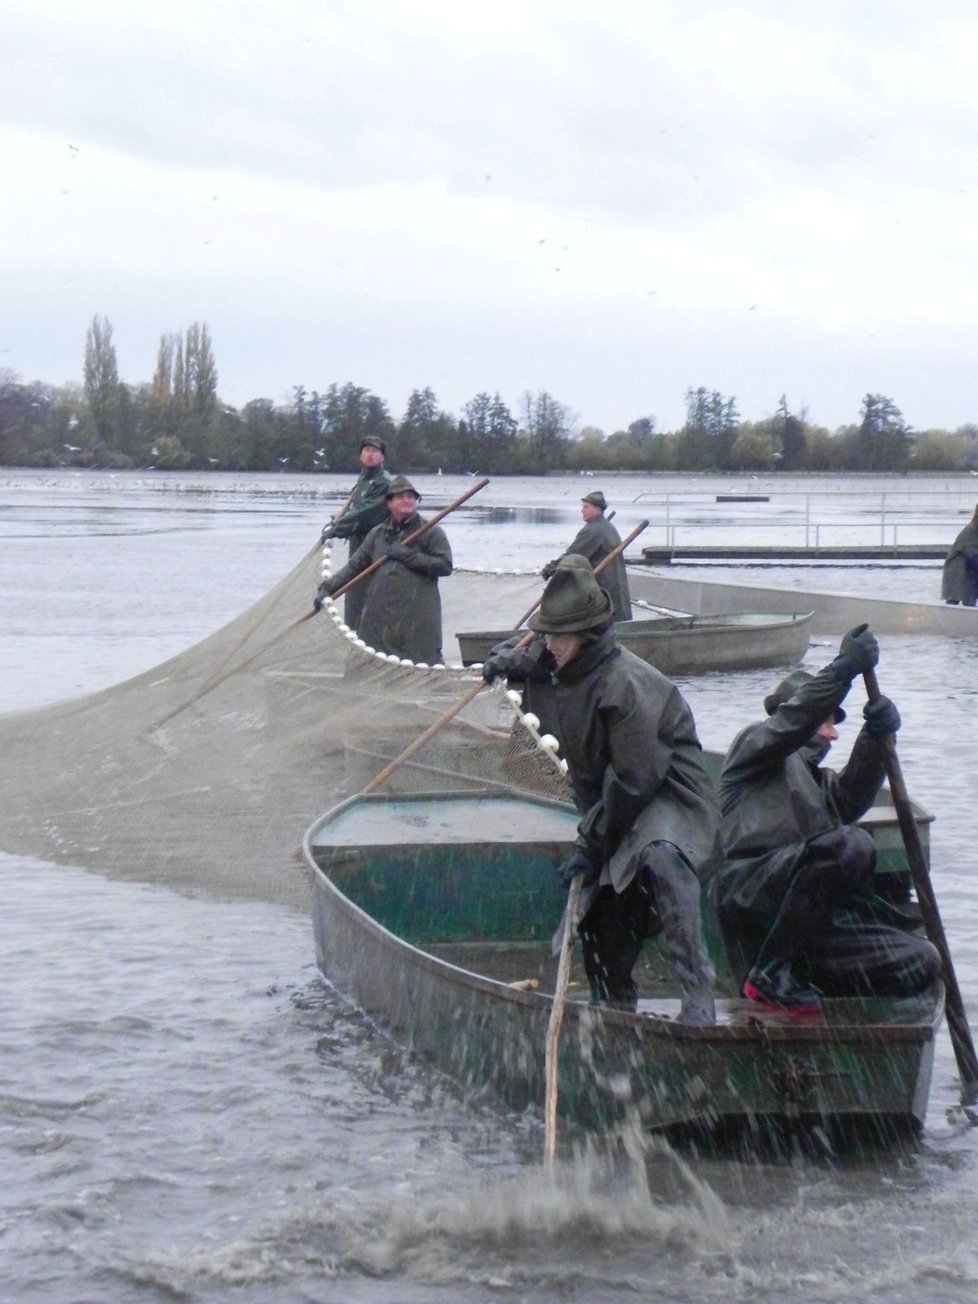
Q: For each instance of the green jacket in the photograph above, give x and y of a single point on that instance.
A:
(368, 507)
(774, 796)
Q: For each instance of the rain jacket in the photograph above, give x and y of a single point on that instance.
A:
(774, 796)
(368, 507)
(634, 763)
(959, 578)
(595, 540)
(402, 615)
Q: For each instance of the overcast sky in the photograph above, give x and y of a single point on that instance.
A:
(610, 201)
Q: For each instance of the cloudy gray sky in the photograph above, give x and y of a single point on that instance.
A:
(611, 200)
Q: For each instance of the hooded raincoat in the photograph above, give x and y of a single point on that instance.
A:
(794, 890)
(634, 761)
(775, 797)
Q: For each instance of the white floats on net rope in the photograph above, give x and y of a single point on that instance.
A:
(546, 743)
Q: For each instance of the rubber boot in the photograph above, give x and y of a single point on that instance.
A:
(677, 901)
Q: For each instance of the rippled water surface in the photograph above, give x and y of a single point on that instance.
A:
(188, 1113)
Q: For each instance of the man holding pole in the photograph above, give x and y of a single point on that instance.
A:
(649, 825)
(596, 539)
(402, 613)
(365, 508)
(795, 898)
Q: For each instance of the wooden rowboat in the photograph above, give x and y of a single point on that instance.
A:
(690, 645)
(434, 912)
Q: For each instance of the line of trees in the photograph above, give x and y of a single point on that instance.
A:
(177, 422)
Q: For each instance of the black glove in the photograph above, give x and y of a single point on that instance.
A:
(579, 862)
(548, 570)
(327, 532)
(881, 717)
(519, 663)
(324, 591)
(858, 652)
(403, 553)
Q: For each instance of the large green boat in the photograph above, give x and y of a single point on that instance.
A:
(434, 913)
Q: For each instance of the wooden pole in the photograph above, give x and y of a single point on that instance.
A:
(413, 536)
(556, 1019)
(957, 1019)
(605, 561)
(345, 507)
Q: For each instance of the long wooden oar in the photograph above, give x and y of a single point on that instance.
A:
(605, 561)
(476, 688)
(556, 1019)
(957, 1019)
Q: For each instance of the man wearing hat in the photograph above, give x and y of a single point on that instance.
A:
(795, 897)
(402, 612)
(649, 825)
(365, 508)
(596, 538)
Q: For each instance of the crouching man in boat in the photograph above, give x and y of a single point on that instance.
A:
(402, 613)
(649, 824)
(795, 898)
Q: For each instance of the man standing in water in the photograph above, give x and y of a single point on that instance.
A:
(367, 507)
(649, 823)
(402, 613)
(795, 897)
(597, 538)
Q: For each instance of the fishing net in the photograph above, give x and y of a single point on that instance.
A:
(204, 772)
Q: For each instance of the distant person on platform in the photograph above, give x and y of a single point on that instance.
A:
(959, 579)
(649, 826)
(402, 614)
(596, 538)
(367, 507)
(795, 897)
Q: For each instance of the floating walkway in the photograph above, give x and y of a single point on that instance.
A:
(665, 556)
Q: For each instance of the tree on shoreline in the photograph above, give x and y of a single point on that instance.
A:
(177, 421)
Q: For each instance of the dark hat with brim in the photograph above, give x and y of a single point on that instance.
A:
(573, 600)
(373, 441)
(401, 485)
(788, 687)
(596, 498)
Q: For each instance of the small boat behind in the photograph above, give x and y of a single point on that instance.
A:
(690, 645)
(434, 913)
